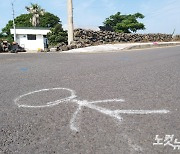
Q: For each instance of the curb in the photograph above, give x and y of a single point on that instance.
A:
(152, 45)
(121, 47)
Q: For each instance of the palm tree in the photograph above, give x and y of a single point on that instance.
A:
(36, 11)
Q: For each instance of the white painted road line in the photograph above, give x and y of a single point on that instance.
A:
(85, 103)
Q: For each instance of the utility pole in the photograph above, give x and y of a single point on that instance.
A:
(70, 21)
(14, 25)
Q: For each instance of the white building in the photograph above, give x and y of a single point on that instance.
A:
(31, 38)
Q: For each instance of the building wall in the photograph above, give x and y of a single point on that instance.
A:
(21, 34)
(30, 44)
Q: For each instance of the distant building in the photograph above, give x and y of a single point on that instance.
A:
(32, 38)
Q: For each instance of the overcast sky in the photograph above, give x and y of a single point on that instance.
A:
(161, 16)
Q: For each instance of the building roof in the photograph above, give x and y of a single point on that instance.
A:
(41, 28)
(31, 30)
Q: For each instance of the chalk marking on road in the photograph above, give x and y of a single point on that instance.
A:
(85, 103)
(141, 111)
(73, 120)
(48, 104)
(109, 100)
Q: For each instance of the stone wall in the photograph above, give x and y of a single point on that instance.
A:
(112, 37)
(176, 38)
(84, 38)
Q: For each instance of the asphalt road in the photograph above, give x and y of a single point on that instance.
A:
(32, 121)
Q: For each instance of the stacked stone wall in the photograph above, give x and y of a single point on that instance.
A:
(176, 38)
(85, 38)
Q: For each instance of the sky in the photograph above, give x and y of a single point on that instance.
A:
(161, 16)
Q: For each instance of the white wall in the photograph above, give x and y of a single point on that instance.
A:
(22, 40)
(30, 44)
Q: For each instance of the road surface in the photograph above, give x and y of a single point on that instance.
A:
(126, 102)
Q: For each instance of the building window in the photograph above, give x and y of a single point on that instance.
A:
(31, 37)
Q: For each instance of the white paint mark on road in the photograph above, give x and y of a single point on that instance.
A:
(84, 103)
(73, 123)
(109, 100)
(141, 111)
(48, 104)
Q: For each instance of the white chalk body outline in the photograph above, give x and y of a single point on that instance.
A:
(89, 104)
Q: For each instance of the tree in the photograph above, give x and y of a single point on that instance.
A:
(48, 21)
(124, 23)
(36, 12)
(21, 21)
(57, 35)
